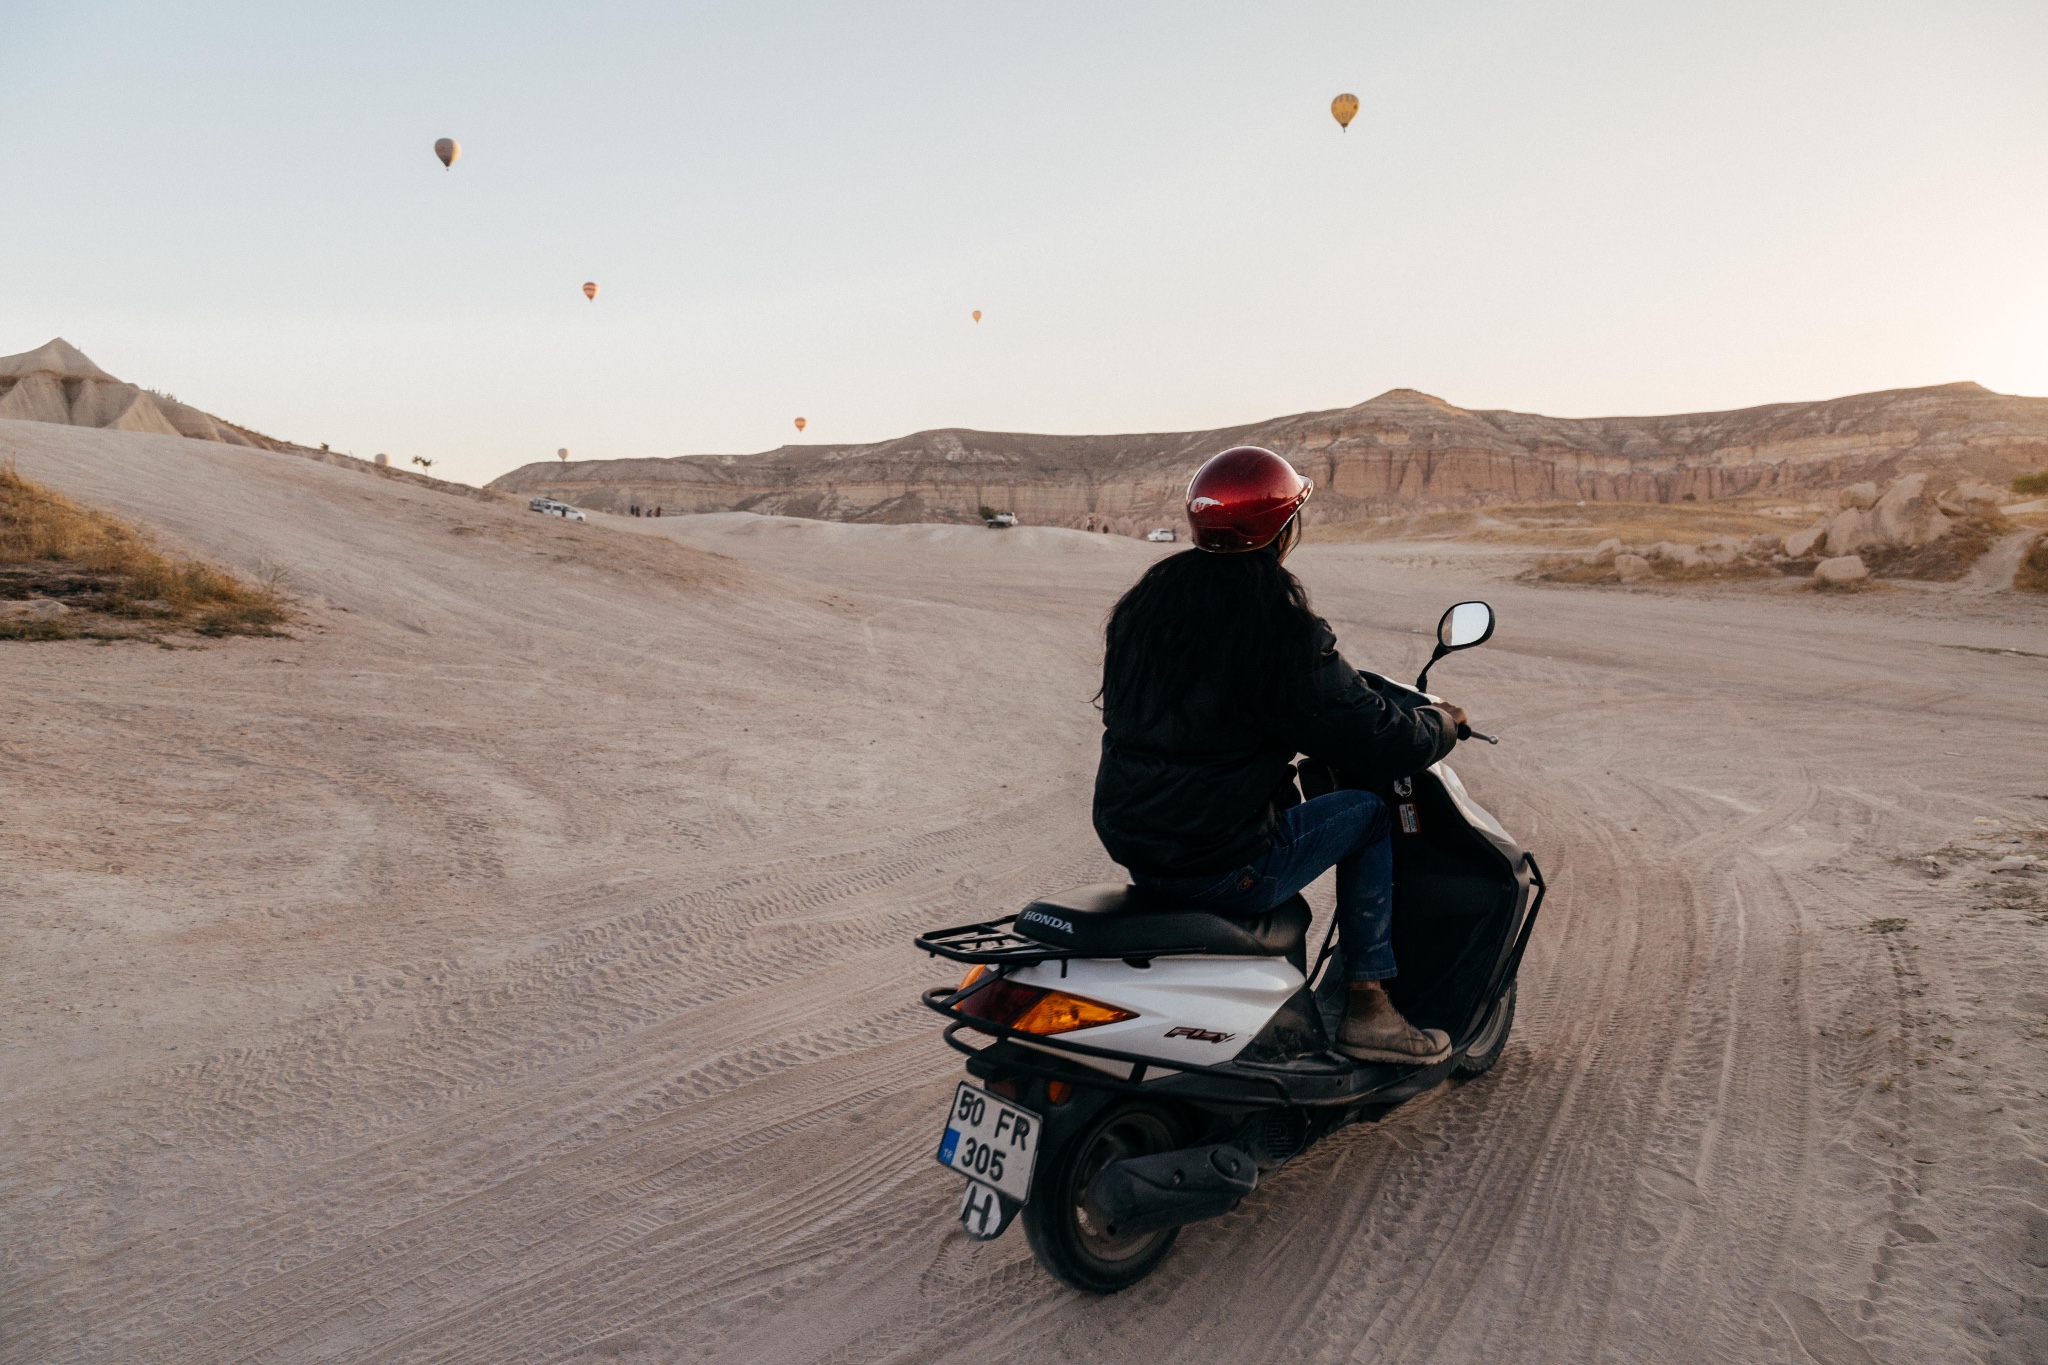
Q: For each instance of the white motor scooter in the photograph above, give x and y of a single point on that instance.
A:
(1151, 1060)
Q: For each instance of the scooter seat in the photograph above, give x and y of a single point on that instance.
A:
(1112, 920)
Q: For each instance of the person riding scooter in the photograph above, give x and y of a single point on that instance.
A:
(1216, 675)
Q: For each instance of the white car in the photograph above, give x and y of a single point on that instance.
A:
(550, 508)
(1164, 535)
(1002, 519)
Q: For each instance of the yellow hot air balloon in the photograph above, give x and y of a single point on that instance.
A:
(448, 149)
(590, 290)
(801, 424)
(977, 315)
(1344, 108)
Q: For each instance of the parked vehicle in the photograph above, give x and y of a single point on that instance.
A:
(1164, 535)
(1152, 1061)
(1002, 519)
(549, 507)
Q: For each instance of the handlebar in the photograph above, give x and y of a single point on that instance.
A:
(1467, 732)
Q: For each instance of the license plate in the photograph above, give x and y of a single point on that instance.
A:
(990, 1140)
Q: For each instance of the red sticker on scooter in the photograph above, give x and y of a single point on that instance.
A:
(1409, 824)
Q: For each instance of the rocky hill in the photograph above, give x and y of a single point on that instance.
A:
(1401, 451)
(56, 383)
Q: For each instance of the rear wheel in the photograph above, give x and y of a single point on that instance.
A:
(1067, 1230)
(1493, 1037)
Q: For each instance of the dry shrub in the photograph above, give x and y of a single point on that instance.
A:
(1939, 561)
(1574, 569)
(110, 575)
(2033, 571)
(1565, 524)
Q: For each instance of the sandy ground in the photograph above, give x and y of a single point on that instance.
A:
(514, 964)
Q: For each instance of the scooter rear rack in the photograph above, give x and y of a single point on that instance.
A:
(993, 944)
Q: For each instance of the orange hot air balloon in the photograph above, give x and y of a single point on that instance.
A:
(801, 424)
(977, 315)
(448, 149)
(590, 291)
(1344, 108)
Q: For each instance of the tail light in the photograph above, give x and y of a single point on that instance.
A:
(1032, 1009)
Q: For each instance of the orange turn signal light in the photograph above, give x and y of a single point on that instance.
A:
(1033, 1009)
(1058, 1012)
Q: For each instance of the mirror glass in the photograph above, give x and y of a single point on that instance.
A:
(1468, 623)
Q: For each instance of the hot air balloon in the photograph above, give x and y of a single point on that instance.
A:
(590, 291)
(563, 453)
(1344, 108)
(448, 149)
(977, 315)
(801, 424)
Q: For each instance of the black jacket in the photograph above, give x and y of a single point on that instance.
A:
(1181, 797)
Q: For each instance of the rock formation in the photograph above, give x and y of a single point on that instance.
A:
(1399, 452)
(56, 383)
(1901, 531)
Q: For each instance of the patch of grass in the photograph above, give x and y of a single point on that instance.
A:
(2033, 485)
(2032, 575)
(108, 576)
(1887, 926)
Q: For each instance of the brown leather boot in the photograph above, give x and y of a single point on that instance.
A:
(1374, 1031)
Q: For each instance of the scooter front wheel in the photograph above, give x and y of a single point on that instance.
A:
(1069, 1234)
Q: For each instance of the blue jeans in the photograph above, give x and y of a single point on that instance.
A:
(1348, 830)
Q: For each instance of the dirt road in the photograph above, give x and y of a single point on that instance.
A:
(514, 965)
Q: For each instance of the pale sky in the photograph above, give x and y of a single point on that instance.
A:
(1570, 208)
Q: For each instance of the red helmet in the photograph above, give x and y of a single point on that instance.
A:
(1243, 499)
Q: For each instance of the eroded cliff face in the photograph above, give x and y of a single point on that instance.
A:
(1399, 452)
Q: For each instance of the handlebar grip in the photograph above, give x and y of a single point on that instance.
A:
(1464, 730)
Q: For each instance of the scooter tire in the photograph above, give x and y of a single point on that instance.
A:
(1067, 1232)
(1492, 1039)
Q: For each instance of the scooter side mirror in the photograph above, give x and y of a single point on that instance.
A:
(1463, 626)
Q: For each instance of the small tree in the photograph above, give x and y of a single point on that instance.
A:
(422, 462)
(987, 513)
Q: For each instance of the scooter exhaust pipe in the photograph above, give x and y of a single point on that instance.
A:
(1149, 1193)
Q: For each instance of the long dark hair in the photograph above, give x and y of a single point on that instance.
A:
(1234, 627)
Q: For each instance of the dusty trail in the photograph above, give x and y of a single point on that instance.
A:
(515, 966)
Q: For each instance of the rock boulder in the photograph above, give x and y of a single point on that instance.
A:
(1906, 515)
(1846, 532)
(1632, 568)
(1840, 571)
(1800, 544)
(34, 609)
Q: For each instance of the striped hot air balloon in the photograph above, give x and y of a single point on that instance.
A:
(1344, 108)
(590, 290)
(801, 424)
